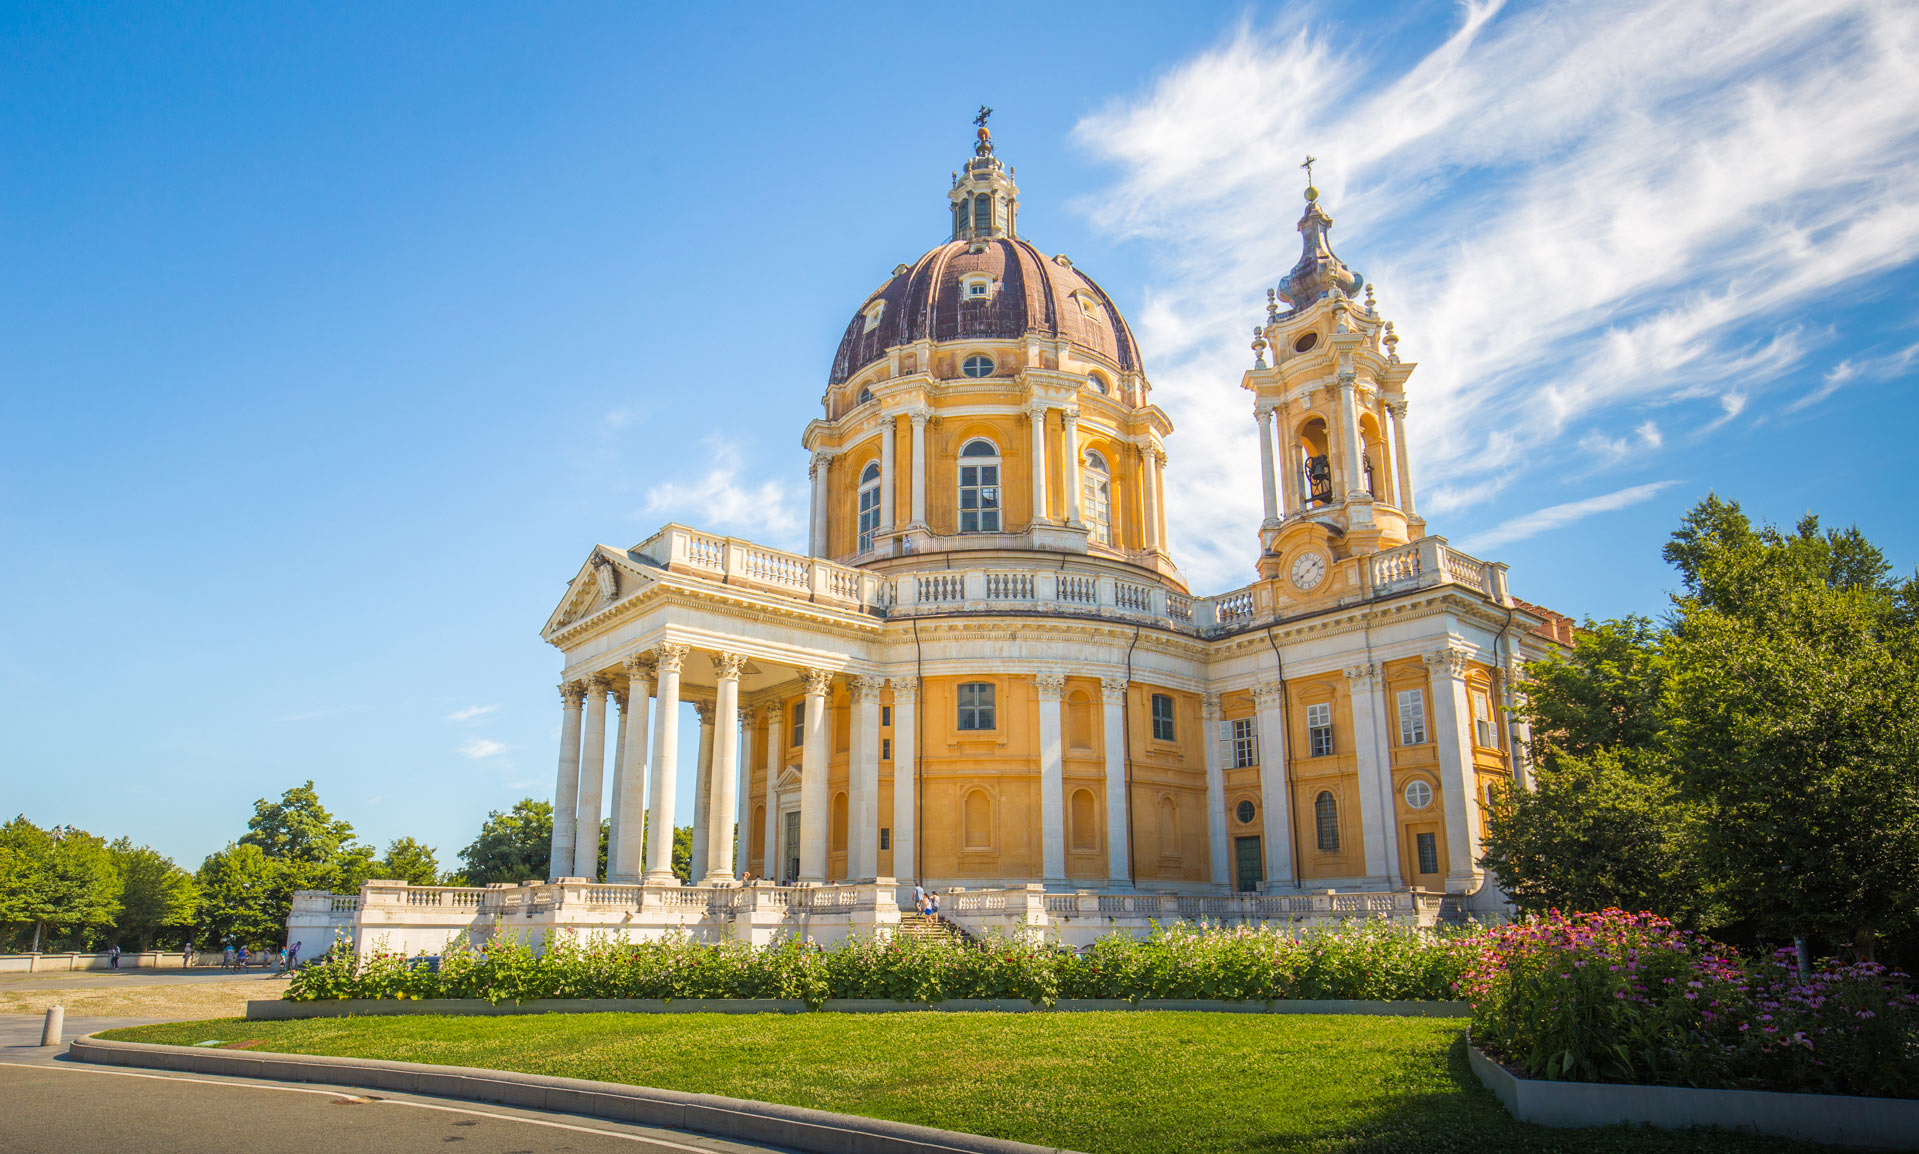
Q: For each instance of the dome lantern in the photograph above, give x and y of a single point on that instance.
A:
(983, 200)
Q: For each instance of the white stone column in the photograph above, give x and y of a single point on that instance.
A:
(770, 862)
(702, 794)
(1458, 774)
(1264, 415)
(814, 798)
(586, 836)
(723, 778)
(743, 794)
(863, 781)
(889, 431)
(1275, 801)
(1401, 467)
(619, 759)
(1118, 828)
(1352, 479)
(905, 771)
(629, 780)
(1052, 781)
(1221, 861)
(1291, 499)
(1036, 420)
(1070, 420)
(1519, 730)
(1149, 490)
(666, 764)
(566, 789)
(1379, 827)
(821, 467)
(919, 417)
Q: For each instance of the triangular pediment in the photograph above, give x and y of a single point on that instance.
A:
(790, 777)
(608, 575)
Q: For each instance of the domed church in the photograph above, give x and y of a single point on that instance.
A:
(987, 676)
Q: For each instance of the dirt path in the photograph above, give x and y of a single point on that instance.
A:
(112, 996)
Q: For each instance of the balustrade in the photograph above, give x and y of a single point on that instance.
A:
(1137, 598)
(937, 587)
(1009, 586)
(1077, 589)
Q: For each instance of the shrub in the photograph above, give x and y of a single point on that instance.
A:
(1618, 997)
(1370, 960)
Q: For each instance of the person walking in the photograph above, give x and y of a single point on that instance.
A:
(241, 961)
(113, 956)
(226, 955)
(293, 956)
(919, 898)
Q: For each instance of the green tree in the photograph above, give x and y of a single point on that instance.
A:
(1609, 693)
(59, 878)
(683, 852)
(411, 862)
(297, 828)
(1795, 714)
(514, 846)
(157, 897)
(240, 888)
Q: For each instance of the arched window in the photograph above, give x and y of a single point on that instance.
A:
(1167, 814)
(1085, 833)
(977, 366)
(1096, 498)
(979, 820)
(839, 823)
(756, 838)
(865, 396)
(1099, 384)
(869, 505)
(979, 487)
(982, 213)
(1326, 822)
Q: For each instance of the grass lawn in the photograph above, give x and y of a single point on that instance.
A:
(1094, 1082)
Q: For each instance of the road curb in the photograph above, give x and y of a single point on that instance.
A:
(794, 1127)
(279, 1010)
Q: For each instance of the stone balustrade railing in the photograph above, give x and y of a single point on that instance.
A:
(1427, 562)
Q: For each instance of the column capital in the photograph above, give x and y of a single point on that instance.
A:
(919, 415)
(1051, 685)
(668, 656)
(572, 692)
(726, 666)
(1263, 410)
(1397, 408)
(822, 460)
(1036, 410)
(1112, 690)
(818, 680)
(1361, 675)
(639, 673)
(598, 684)
(1267, 694)
(866, 689)
(705, 710)
(1209, 709)
(1451, 660)
(619, 697)
(1070, 416)
(906, 690)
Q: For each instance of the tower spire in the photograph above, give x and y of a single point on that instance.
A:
(983, 200)
(1319, 270)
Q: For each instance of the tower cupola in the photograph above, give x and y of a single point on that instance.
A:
(1319, 271)
(984, 199)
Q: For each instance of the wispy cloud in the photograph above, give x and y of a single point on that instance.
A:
(1847, 371)
(767, 511)
(1572, 212)
(471, 712)
(1559, 516)
(480, 748)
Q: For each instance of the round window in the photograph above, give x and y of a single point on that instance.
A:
(977, 366)
(865, 395)
(1244, 813)
(1419, 795)
(1306, 343)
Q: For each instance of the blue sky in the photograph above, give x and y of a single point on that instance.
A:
(330, 339)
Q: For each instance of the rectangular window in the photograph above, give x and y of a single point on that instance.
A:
(869, 516)
(886, 749)
(1412, 717)
(1428, 852)
(886, 716)
(886, 838)
(1483, 721)
(1245, 744)
(1319, 729)
(1162, 717)
(799, 722)
(979, 498)
(976, 706)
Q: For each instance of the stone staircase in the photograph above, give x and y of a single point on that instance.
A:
(930, 927)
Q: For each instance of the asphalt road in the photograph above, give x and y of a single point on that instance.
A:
(55, 1106)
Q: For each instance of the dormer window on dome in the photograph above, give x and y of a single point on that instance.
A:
(977, 366)
(873, 313)
(1089, 307)
(978, 286)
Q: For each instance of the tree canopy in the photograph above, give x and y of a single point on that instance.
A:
(63, 878)
(514, 846)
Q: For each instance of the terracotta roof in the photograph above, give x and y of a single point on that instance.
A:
(1035, 296)
(1554, 626)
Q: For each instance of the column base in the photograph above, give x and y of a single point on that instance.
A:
(660, 878)
(717, 878)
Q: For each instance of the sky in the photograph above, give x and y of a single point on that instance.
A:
(332, 337)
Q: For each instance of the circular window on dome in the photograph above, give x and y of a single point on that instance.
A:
(1099, 383)
(1419, 795)
(1305, 344)
(1244, 813)
(977, 366)
(865, 395)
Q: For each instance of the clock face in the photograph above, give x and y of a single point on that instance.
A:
(1309, 569)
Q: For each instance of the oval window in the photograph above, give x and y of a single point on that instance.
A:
(1305, 343)
(977, 366)
(865, 395)
(1244, 813)
(1419, 795)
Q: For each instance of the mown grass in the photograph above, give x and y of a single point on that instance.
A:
(1095, 1082)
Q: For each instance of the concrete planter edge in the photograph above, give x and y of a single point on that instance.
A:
(278, 1010)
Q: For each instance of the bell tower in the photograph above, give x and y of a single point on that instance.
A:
(1331, 409)
(985, 201)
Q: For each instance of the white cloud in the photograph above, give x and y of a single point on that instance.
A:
(1571, 212)
(479, 748)
(1847, 371)
(471, 712)
(766, 512)
(1559, 516)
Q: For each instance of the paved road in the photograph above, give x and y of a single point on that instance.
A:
(55, 1106)
(14, 982)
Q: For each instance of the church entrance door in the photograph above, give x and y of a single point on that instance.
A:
(792, 844)
(1246, 864)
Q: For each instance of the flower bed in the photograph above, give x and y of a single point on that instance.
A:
(1364, 961)
(1617, 997)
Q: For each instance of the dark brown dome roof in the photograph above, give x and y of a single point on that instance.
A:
(1035, 296)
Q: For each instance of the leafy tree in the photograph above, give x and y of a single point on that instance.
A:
(157, 898)
(683, 852)
(60, 878)
(409, 861)
(1609, 693)
(1795, 715)
(515, 846)
(297, 828)
(240, 893)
